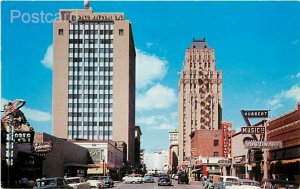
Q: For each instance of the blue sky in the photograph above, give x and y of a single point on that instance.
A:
(257, 47)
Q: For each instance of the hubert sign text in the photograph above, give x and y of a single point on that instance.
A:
(256, 113)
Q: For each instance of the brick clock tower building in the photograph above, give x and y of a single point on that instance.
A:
(200, 95)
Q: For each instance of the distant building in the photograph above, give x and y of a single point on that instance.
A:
(137, 141)
(173, 151)
(157, 160)
(200, 95)
(94, 77)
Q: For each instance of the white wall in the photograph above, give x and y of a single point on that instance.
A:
(157, 160)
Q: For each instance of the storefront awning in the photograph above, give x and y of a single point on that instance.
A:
(286, 161)
(291, 160)
(75, 165)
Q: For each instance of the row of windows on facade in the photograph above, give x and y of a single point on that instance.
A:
(91, 24)
(78, 65)
(90, 96)
(90, 105)
(90, 59)
(91, 50)
(198, 75)
(91, 41)
(194, 66)
(91, 32)
(91, 68)
(75, 77)
(93, 87)
(79, 132)
(89, 114)
(200, 57)
(89, 123)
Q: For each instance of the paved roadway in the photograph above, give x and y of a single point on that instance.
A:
(175, 185)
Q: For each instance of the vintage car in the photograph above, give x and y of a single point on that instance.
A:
(183, 178)
(133, 179)
(96, 182)
(108, 182)
(244, 184)
(78, 183)
(55, 182)
(148, 178)
(225, 181)
(164, 180)
(278, 184)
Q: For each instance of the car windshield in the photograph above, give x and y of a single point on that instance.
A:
(250, 183)
(42, 183)
(94, 178)
(73, 181)
(104, 177)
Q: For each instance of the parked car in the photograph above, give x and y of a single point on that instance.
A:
(164, 180)
(245, 184)
(108, 182)
(96, 182)
(225, 181)
(278, 184)
(183, 178)
(176, 177)
(55, 182)
(78, 183)
(148, 178)
(133, 179)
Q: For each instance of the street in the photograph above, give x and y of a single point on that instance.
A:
(175, 185)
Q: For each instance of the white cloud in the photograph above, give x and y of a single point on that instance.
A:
(31, 114)
(149, 68)
(157, 97)
(165, 126)
(48, 57)
(149, 44)
(292, 94)
(298, 75)
(167, 121)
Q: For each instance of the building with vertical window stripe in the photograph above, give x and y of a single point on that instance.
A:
(199, 96)
(94, 77)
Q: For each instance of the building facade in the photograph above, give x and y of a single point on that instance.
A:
(200, 95)
(94, 77)
(173, 151)
(206, 143)
(286, 160)
(157, 161)
(105, 156)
